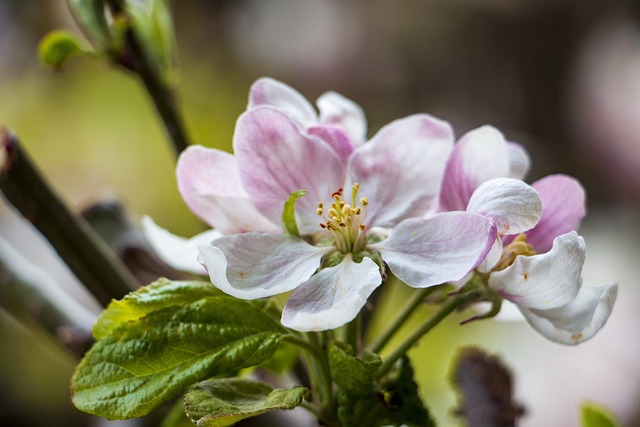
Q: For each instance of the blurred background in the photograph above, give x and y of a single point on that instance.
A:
(561, 77)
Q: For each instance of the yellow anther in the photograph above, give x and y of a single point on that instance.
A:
(333, 213)
(364, 201)
(355, 187)
(320, 205)
(355, 211)
(319, 211)
(362, 227)
(342, 224)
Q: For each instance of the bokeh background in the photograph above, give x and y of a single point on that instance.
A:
(562, 77)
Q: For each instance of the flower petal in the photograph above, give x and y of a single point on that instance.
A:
(442, 248)
(176, 251)
(335, 109)
(480, 155)
(336, 138)
(515, 206)
(257, 265)
(492, 257)
(544, 281)
(577, 321)
(332, 297)
(400, 169)
(209, 183)
(519, 161)
(282, 97)
(563, 206)
(275, 160)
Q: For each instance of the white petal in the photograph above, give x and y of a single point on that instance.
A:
(332, 297)
(176, 251)
(400, 169)
(577, 321)
(257, 265)
(544, 281)
(337, 110)
(492, 257)
(519, 161)
(282, 97)
(515, 206)
(480, 155)
(443, 248)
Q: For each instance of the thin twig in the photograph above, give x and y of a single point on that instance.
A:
(95, 265)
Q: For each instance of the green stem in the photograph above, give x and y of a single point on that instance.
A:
(323, 381)
(447, 308)
(134, 58)
(352, 334)
(83, 251)
(414, 302)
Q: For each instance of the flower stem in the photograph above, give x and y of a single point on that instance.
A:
(447, 308)
(95, 265)
(134, 58)
(416, 300)
(352, 334)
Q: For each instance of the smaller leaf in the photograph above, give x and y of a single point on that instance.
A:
(90, 16)
(225, 401)
(288, 214)
(153, 297)
(57, 47)
(353, 374)
(594, 415)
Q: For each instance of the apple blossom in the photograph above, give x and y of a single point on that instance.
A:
(539, 268)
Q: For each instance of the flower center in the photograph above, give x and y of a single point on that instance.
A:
(519, 246)
(345, 221)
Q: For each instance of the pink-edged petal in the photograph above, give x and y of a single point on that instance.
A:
(282, 97)
(336, 138)
(563, 207)
(400, 169)
(519, 161)
(257, 265)
(209, 183)
(335, 109)
(177, 252)
(513, 205)
(544, 281)
(275, 160)
(443, 248)
(480, 155)
(332, 297)
(577, 321)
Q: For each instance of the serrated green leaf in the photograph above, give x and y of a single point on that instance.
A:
(288, 213)
(225, 401)
(149, 360)
(395, 401)
(156, 296)
(90, 16)
(58, 46)
(356, 375)
(594, 415)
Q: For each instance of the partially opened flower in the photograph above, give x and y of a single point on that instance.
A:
(336, 260)
(541, 270)
(540, 266)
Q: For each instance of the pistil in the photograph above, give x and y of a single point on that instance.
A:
(345, 221)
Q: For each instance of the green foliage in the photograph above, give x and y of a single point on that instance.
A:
(225, 401)
(594, 415)
(288, 214)
(156, 296)
(57, 47)
(353, 374)
(392, 401)
(90, 15)
(152, 22)
(156, 343)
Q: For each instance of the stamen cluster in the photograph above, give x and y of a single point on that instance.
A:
(345, 221)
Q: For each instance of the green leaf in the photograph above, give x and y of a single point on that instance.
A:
(288, 214)
(156, 296)
(90, 16)
(149, 360)
(394, 401)
(58, 46)
(225, 401)
(352, 374)
(594, 415)
(176, 416)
